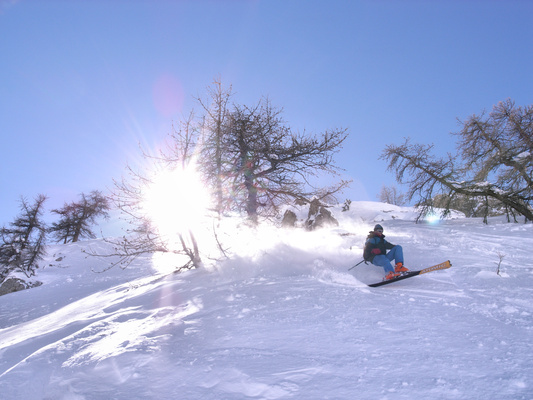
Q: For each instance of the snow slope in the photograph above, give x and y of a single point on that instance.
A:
(283, 319)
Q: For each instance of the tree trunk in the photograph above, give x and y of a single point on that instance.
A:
(251, 199)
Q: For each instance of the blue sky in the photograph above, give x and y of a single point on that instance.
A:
(83, 82)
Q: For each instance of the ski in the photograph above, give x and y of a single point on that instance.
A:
(444, 265)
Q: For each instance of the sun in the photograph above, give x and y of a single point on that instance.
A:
(176, 200)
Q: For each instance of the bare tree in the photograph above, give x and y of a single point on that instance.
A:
(144, 237)
(182, 145)
(247, 156)
(253, 161)
(271, 165)
(215, 125)
(128, 195)
(391, 195)
(22, 245)
(494, 161)
(77, 217)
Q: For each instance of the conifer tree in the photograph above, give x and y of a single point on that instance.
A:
(22, 244)
(78, 217)
(494, 161)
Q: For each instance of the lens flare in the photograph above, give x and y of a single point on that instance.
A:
(432, 218)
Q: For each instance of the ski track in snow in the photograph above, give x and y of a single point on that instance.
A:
(284, 324)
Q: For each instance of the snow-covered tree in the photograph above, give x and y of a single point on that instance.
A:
(472, 207)
(494, 161)
(22, 244)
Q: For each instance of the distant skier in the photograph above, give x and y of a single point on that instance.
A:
(376, 252)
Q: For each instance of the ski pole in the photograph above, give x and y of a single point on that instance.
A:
(362, 261)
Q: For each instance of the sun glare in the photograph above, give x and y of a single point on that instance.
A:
(432, 218)
(176, 200)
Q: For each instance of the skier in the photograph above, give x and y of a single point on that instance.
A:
(376, 252)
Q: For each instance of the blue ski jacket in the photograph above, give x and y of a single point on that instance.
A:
(374, 241)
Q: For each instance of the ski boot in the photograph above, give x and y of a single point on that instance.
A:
(391, 275)
(400, 268)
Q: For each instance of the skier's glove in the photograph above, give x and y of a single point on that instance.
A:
(376, 251)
